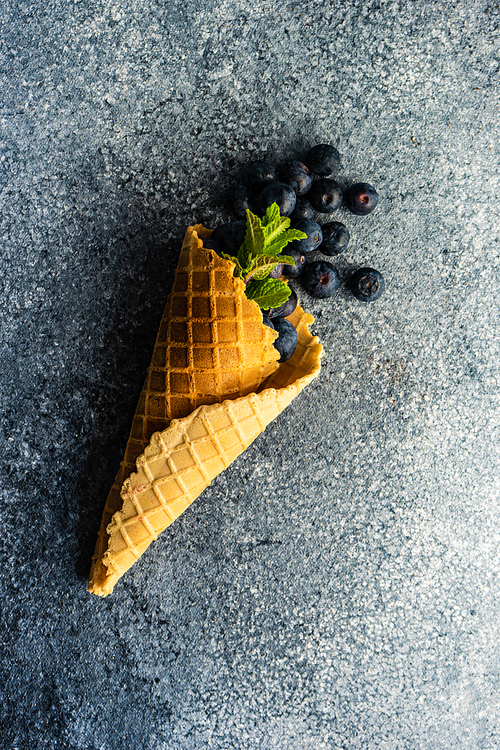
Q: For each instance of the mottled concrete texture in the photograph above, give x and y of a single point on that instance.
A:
(337, 588)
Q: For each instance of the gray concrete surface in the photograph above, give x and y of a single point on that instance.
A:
(338, 586)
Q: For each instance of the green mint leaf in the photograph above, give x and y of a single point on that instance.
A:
(274, 230)
(244, 256)
(287, 260)
(272, 214)
(262, 266)
(268, 292)
(254, 237)
(273, 224)
(282, 240)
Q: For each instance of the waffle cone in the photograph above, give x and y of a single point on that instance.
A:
(168, 464)
(211, 345)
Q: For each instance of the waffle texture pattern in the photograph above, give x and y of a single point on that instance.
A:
(211, 344)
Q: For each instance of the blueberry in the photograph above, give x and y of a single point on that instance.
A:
(335, 238)
(323, 160)
(230, 236)
(277, 271)
(259, 174)
(320, 279)
(280, 193)
(366, 284)
(238, 199)
(361, 198)
(325, 196)
(297, 175)
(312, 240)
(302, 210)
(268, 322)
(284, 310)
(300, 260)
(211, 244)
(287, 340)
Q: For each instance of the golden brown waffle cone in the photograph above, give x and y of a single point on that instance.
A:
(180, 462)
(211, 345)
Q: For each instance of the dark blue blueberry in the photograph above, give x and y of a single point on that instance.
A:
(335, 238)
(212, 244)
(312, 240)
(300, 260)
(259, 174)
(238, 199)
(297, 175)
(320, 279)
(280, 193)
(230, 236)
(277, 271)
(366, 284)
(323, 160)
(268, 322)
(284, 310)
(361, 198)
(287, 340)
(325, 196)
(302, 210)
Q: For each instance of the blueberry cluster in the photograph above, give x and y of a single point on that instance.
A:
(301, 188)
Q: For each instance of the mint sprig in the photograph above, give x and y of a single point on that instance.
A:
(260, 253)
(267, 292)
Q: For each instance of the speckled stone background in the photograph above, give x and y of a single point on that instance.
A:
(338, 586)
